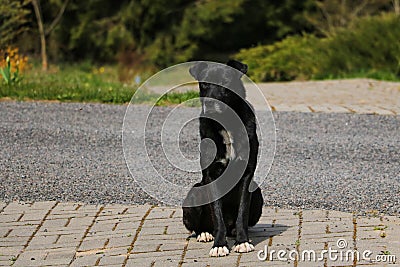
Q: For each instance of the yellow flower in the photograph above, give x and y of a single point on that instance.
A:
(16, 61)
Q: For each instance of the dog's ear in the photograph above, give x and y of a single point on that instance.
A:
(196, 69)
(237, 65)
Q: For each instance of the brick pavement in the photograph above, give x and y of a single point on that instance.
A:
(75, 234)
(360, 96)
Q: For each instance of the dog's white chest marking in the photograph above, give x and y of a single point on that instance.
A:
(228, 141)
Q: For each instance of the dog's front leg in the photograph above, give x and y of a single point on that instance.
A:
(242, 243)
(220, 247)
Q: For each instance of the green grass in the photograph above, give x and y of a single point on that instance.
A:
(189, 99)
(84, 83)
(68, 84)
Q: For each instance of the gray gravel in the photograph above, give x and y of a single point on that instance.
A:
(73, 152)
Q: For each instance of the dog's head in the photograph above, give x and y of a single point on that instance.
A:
(219, 83)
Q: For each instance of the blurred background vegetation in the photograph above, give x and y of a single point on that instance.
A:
(101, 47)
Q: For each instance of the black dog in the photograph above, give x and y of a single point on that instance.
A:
(236, 148)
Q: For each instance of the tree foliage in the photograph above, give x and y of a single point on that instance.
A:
(161, 33)
(157, 33)
(331, 15)
(13, 20)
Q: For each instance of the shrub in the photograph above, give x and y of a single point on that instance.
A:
(370, 47)
(293, 58)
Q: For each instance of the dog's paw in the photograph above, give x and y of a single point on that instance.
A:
(243, 247)
(205, 237)
(219, 251)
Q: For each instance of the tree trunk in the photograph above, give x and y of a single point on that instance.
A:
(39, 19)
(57, 18)
(396, 5)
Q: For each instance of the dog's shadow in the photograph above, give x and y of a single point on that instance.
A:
(262, 232)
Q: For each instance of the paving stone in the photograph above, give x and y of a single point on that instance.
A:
(340, 226)
(163, 221)
(314, 228)
(162, 236)
(115, 251)
(13, 241)
(11, 250)
(395, 109)
(115, 234)
(159, 258)
(33, 216)
(42, 205)
(30, 257)
(43, 240)
(103, 226)
(119, 218)
(66, 206)
(119, 242)
(79, 222)
(259, 263)
(295, 107)
(127, 227)
(66, 254)
(364, 109)
(142, 248)
(171, 246)
(93, 244)
(72, 214)
(135, 262)
(194, 264)
(112, 260)
(138, 210)
(69, 239)
(159, 214)
(339, 214)
(89, 260)
(178, 213)
(55, 224)
(152, 230)
(328, 108)
(5, 218)
(59, 231)
(18, 224)
(16, 207)
(230, 260)
(22, 231)
(2, 205)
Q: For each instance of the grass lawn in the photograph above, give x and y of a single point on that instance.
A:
(82, 83)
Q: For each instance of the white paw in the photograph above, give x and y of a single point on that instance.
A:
(205, 237)
(219, 251)
(243, 247)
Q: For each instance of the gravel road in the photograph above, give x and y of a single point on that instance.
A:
(73, 152)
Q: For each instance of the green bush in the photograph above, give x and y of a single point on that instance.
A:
(371, 45)
(293, 58)
(368, 48)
